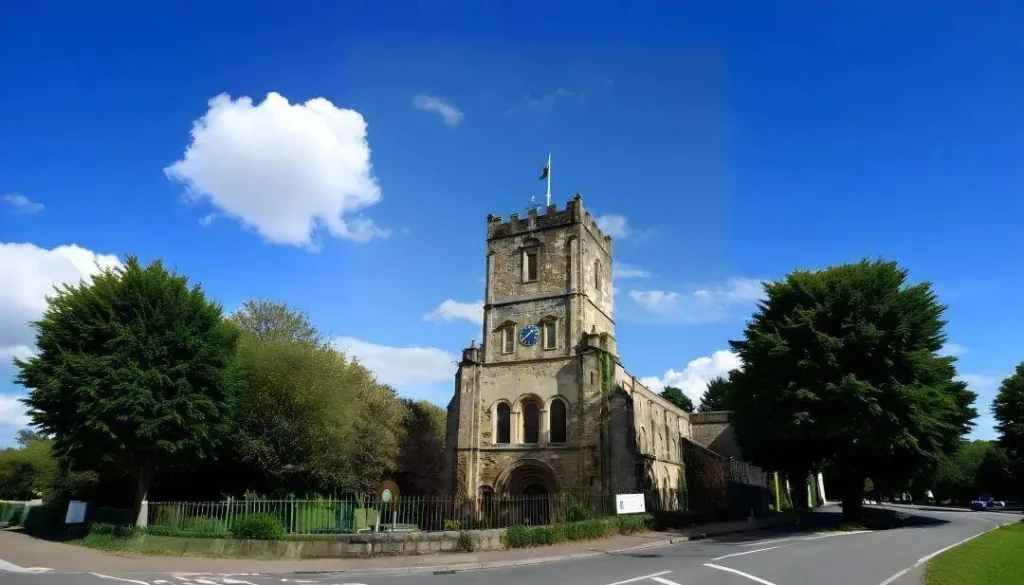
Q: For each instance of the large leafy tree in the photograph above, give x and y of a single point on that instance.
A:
(310, 419)
(1008, 409)
(421, 458)
(676, 396)
(975, 467)
(715, 397)
(842, 366)
(132, 373)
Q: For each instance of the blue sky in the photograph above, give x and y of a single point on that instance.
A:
(719, 147)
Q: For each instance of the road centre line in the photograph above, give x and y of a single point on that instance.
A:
(101, 575)
(740, 573)
(634, 579)
(663, 581)
(760, 542)
(748, 552)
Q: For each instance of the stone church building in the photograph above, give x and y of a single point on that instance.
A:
(544, 404)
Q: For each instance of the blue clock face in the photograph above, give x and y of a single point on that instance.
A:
(528, 335)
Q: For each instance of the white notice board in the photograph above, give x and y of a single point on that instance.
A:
(76, 512)
(630, 504)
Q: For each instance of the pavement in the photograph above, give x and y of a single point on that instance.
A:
(776, 556)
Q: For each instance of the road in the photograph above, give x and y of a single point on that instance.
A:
(884, 557)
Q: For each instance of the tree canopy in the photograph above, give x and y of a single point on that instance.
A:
(976, 467)
(1008, 409)
(715, 397)
(676, 396)
(309, 419)
(842, 365)
(132, 372)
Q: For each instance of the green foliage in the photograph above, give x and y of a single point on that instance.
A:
(607, 365)
(527, 536)
(676, 396)
(1008, 409)
(578, 508)
(451, 525)
(716, 396)
(465, 543)
(421, 456)
(132, 372)
(976, 467)
(276, 322)
(26, 471)
(258, 527)
(841, 365)
(308, 418)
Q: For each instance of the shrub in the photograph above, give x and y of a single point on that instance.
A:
(451, 525)
(258, 527)
(525, 536)
(112, 530)
(466, 542)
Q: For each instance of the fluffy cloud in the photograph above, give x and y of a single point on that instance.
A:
(613, 225)
(623, 270)
(981, 383)
(448, 112)
(693, 379)
(285, 170)
(953, 349)
(23, 204)
(711, 303)
(401, 366)
(452, 310)
(30, 274)
(12, 412)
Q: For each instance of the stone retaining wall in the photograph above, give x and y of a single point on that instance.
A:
(342, 546)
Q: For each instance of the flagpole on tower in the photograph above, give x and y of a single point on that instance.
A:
(549, 179)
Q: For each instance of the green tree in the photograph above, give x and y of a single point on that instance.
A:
(842, 365)
(975, 467)
(274, 321)
(25, 471)
(132, 373)
(676, 396)
(309, 419)
(716, 396)
(421, 457)
(1008, 409)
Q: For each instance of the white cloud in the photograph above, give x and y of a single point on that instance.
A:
(700, 305)
(693, 379)
(285, 170)
(13, 412)
(623, 270)
(953, 349)
(615, 226)
(980, 383)
(448, 112)
(30, 274)
(452, 310)
(546, 101)
(23, 204)
(399, 366)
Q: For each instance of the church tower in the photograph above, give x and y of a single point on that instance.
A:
(525, 417)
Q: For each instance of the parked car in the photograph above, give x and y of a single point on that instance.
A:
(987, 503)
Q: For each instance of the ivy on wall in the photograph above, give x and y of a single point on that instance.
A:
(607, 371)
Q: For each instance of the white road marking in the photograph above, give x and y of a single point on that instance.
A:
(894, 577)
(38, 569)
(765, 541)
(740, 573)
(831, 534)
(663, 581)
(101, 575)
(10, 567)
(160, 581)
(748, 552)
(236, 582)
(651, 576)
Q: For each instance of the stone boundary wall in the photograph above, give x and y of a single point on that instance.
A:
(341, 546)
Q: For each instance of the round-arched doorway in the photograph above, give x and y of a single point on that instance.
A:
(529, 485)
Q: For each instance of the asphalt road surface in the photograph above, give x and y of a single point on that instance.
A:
(884, 557)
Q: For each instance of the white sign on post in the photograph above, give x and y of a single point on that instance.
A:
(630, 504)
(76, 512)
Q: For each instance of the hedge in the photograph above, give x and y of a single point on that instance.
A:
(526, 536)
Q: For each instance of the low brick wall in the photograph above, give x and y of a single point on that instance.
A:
(342, 546)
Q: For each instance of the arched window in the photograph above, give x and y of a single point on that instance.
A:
(504, 430)
(531, 422)
(557, 416)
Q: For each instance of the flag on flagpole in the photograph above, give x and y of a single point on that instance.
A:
(545, 173)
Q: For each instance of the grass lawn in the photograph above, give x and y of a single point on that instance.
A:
(995, 558)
